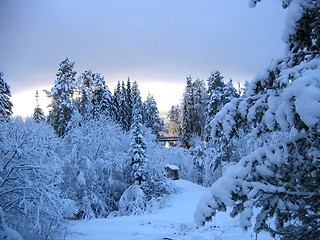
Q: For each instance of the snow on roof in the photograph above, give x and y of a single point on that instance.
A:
(172, 167)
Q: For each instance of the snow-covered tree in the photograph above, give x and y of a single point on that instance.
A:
(198, 160)
(38, 114)
(186, 127)
(95, 173)
(61, 107)
(229, 92)
(174, 115)
(281, 178)
(200, 102)
(136, 99)
(215, 100)
(83, 101)
(117, 103)
(152, 119)
(7, 232)
(5, 103)
(133, 201)
(138, 152)
(30, 179)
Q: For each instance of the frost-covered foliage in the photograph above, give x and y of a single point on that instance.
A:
(61, 107)
(29, 180)
(138, 152)
(133, 201)
(7, 232)
(5, 103)
(281, 180)
(94, 97)
(281, 108)
(95, 171)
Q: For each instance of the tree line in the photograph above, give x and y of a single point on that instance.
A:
(200, 103)
(95, 154)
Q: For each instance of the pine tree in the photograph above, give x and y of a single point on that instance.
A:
(5, 103)
(152, 119)
(117, 99)
(61, 98)
(129, 104)
(125, 109)
(83, 101)
(174, 115)
(138, 151)
(281, 178)
(229, 92)
(186, 130)
(101, 98)
(215, 99)
(136, 99)
(38, 114)
(200, 102)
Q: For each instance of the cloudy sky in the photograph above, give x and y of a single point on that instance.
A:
(155, 42)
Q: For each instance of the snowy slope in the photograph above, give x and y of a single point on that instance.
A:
(173, 222)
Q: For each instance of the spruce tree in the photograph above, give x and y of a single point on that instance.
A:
(101, 99)
(138, 151)
(215, 94)
(152, 118)
(281, 178)
(5, 103)
(136, 99)
(174, 115)
(200, 102)
(38, 114)
(61, 98)
(186, 130)
(117, 98)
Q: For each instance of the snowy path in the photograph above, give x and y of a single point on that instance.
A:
(173, 222)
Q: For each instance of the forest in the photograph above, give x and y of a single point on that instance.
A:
(96, 154)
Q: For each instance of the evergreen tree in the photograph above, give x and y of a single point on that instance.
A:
(186, 130)
(5, 103)
(229, 92)
(200, 102)
(38, 114)
(215, 94)
(129, 104)
(152, 118)
(83, 101)
(125, 109)
(117, 99)
(174, 115)
(281, 179)
(61, 98)
(101, 98)
(138, 152)
(136, 99)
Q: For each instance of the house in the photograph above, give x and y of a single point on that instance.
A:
(172, 171)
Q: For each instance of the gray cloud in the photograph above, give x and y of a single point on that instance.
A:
(158, 40)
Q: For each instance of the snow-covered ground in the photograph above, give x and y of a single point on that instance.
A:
(172, 222)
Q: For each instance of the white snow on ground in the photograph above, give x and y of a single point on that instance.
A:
(172, 222)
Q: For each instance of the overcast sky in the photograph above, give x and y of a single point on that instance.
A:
(155, 42)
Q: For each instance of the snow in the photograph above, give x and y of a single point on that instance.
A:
(175, 221)
(172, 167)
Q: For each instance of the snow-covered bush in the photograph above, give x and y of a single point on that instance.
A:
(29, 180)
(7, 232)
(95, 172)
(133, 201)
